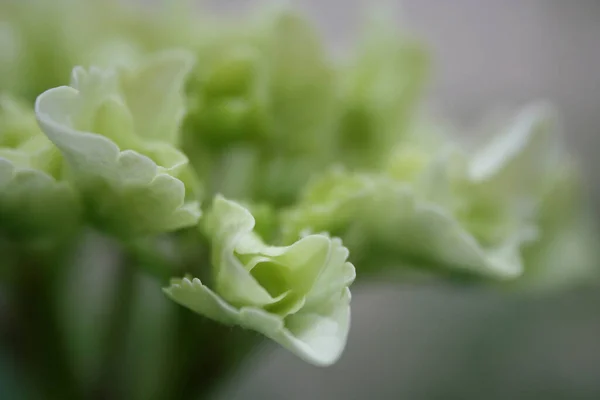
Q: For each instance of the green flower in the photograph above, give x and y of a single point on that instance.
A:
(34, 204)
(380, 90)
(439, 209)
(263, 96)
(116, 129)
(566, 253)
(385, 222)
(296, 295)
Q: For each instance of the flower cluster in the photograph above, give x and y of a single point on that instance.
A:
(250, 133)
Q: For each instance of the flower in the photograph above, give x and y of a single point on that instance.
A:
(442, 208)
(117, 130)
(296, 295)
(35, 204)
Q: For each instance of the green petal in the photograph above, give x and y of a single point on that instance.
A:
(380, 91)
(318, 336)
(502, 186)
(520, 159)
(245, 267)
(153, 92)
(192, 294)
(368, 209)
(301, 263)
(525, 140)
(339, 274)
(566, 256)
(227, 224)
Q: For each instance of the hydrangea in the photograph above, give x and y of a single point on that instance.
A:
(379, 93)
(441, 208)
(313, 151)
(116, 133)
(296, 295)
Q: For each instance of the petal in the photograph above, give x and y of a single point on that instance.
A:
(519, 159)
(317, 337)
(371, 208)
(303, 261)
(154, 94)
(199, 298)
(226, 224)
(246, 269)
(238, 286)
(338, 275)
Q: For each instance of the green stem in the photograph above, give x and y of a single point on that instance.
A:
(150, 260)
(209, 354)
(40, 339)
(108, 385)
(237, 347)
(205, 353)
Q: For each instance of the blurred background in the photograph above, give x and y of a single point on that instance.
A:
(451, 342)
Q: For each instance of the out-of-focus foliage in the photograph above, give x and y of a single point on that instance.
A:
(35, 204)
(166, 108)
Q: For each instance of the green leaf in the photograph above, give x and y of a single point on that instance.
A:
(300, 80)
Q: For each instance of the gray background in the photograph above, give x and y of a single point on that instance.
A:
(447, 342)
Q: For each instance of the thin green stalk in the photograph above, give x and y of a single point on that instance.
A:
(40, 340)
(108, 384)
